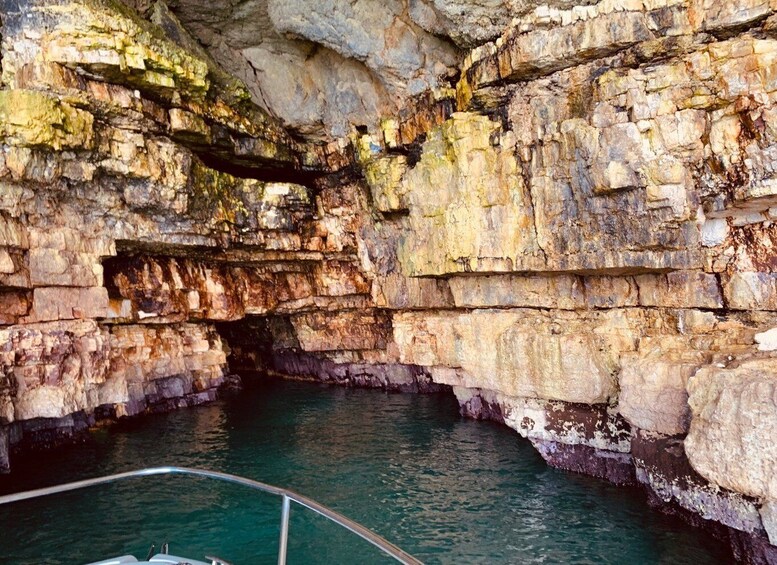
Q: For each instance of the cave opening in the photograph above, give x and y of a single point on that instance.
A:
(248, 343)
(259, 347)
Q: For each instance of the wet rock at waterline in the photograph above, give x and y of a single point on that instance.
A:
(564, 212)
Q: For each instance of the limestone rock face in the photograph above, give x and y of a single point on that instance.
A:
(343, 331)
(168, 366)
(731, 440)
(323, 67)
(483, 220)
(32, 118)
(652, 384)
(124, 234)
(55, 369)
(60, 367)
(661, 464)
(377, 33)
(565, 131)
(550, 420)
(565, 212)
(550, 357)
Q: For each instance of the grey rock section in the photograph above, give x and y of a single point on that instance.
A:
(661, 464)
(732, 436)
(470, 23)
(375, 32)
(391, 377)
(466, 22)
(322, 67)
(769, 519)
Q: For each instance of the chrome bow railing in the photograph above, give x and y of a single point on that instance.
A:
(287, 497)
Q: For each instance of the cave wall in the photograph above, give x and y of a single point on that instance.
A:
(571, 224)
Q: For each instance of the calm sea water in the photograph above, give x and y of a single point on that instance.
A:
(446, 489)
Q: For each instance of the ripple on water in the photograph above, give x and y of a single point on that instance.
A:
(447, 489)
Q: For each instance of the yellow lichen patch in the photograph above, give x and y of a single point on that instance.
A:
(384, 177)
(30, 118)
(189, 124)
(93, 35)
(469, 207)
(233, 202)
(216, 196)
(389, 127)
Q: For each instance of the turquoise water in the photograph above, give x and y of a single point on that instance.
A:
(446, 489)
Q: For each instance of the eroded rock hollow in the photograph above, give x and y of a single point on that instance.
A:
(564, 212)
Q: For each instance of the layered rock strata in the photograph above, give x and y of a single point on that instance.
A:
(577, 236)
